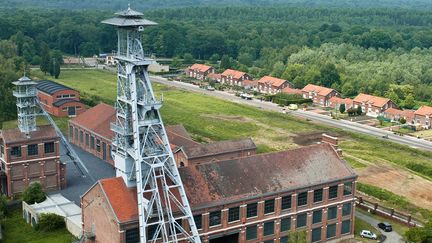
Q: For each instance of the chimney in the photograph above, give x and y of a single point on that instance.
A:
(333, 141)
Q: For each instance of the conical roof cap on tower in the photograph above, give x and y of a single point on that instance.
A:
(129, 17)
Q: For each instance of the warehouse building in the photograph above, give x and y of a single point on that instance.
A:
(269, 197)
(33, 157)
(59, 100)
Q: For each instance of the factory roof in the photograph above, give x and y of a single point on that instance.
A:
(97, 119)
(61, 102)
(15, 135)
(50, 87)
(220, 147)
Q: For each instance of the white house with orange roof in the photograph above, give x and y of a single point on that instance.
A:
(199, 71)
(423, 116)
(234, 77)
(373, 105)
(318, 94)
(272, 85)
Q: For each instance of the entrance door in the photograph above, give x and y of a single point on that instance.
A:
(71, 111)
(104, 151)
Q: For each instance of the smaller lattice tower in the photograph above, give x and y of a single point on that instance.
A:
(27, 106)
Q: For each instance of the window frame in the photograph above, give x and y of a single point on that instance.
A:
(233, 214)
(18, 153)
(333, 194)
(269, 206)
(285, 222)
(315, 197)
(46, 146)
(314, 216)
(248, 210)
(333, 228)
(33, 148)
(212, 222)
(198, 218)
(348, 189)
(297, 220)
(254, 230)
(346, 209)
(303, 200)
(312, 234)
(286, 200)
(342, 226)
(330, 209)
(269, 225)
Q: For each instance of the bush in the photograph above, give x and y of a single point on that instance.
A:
(422, 169)
(3, 205)
(342, 108)
(34, 193)
(49, 222)
(359, 110)
(402, 120)
(351, 112)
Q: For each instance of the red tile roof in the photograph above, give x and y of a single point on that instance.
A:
(269, 80)
(424, 111)
(393, 111)
(317, 89)
(234, 73)
(223, 182)
(122, 199)
(250, 83)
(288, 90)
(339, 100)
(372, 100)
(97, 119)
(220, 147)
(215, 76)
(14, 135)
(200, 67)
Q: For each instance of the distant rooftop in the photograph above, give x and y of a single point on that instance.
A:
(129, 17)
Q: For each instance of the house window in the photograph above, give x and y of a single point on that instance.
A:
(32, 149)
(49, 147)
(269, 206)
(92, 143)
(331, 213)
(110, 152)
(347, 188)
(151, 231)
(81, 137)
(1, 151)
(87, 139)
(284, 239)
(268, 228)
(346, 209)
(346, 227)
(71, 132)
(317, 216)
(98, 145)
(318, 195)
(234, 214)
(302, 199)
(301, 220)
(16, 152)
(286, 202)
(333, 192)
(132, 235)
(331, 231)
(251, 210)
(316, 235)
(76, 134)
(215, 218)
(285, 224)
(198, 221)
(251, 232)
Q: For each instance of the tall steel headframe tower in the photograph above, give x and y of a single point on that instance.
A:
(27, 107)
(141, 151)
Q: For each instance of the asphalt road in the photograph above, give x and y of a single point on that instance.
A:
(392, 237)
(327, 120)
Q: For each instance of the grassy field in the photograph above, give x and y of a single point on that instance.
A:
(209, 119)
(15, 229)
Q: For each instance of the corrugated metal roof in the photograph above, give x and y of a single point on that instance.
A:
(61, 102)
(50, 87)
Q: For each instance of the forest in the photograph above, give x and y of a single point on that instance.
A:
(383, 51)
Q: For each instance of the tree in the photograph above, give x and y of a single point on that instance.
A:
(245, 59)
(176, 62)
(49, 222)
(188, 58)
(420, 234)
(34, 193)
(402, 120)
(359, 110)
(409, 101)
(214, 58)
(342, 108)
(225, 62)
(329, 75)
(278, 69)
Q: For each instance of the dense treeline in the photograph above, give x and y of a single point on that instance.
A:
(382, 51)
(118, 4)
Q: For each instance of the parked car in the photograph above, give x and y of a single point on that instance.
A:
(368, 234)
(293, 107)
(246, 96)
(210, 88)
(385, 226)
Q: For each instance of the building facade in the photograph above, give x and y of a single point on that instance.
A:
(234, 77)
(199, 71)
(91, 131)
(423, 116)
(335, 102)
(272, 85)
(27, 159)
(59, 100)
(306, 192)
(373, 105)
(319, 95)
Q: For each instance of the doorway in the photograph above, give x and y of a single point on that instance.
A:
(232, 238)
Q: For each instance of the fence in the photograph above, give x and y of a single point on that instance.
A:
(389, 213)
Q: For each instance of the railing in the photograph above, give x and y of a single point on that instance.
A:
(24, 94)
(389, 213)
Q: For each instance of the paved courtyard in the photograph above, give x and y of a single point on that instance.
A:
(77, 183)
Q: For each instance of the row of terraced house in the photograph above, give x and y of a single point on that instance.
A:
(371, 105)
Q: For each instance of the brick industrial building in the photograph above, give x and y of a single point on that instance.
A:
(59, 100)
(251, 198)
(33, 158)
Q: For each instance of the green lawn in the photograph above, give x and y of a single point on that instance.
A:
(360, 225)
(15, 229)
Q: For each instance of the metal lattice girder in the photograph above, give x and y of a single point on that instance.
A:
(141, 151)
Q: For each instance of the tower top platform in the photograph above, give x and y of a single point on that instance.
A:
(129, 18)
